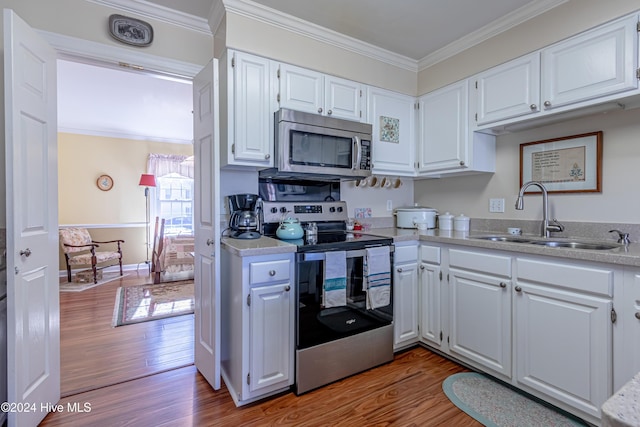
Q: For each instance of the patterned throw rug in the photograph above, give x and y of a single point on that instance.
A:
(496, 405)
(135, 304)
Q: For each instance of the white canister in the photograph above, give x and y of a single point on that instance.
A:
(461, 223)
(445, 221)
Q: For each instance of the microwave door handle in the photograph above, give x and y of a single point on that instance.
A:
(358, 149)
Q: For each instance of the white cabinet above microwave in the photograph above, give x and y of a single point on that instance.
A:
(312, 92)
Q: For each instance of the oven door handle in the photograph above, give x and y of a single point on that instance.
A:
(320, 256)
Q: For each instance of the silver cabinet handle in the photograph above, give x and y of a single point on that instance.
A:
(320, 110)
(272, 273)
(210, 242)
(547, 104)
(26, 252)
(533, 107)
(329, 112)
(422, 267)
(287, 288)
(638, 315)
(518, 289)
(267, 156)
(503, 285)
(461, 162)
(399, 270)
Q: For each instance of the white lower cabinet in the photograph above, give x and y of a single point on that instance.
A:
(405, 295)
(430, 278)
(258, 302)
(480, 310)
(563, 333)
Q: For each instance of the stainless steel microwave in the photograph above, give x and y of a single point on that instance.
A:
(312, 144)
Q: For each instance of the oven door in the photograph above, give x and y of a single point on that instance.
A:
(317, 325)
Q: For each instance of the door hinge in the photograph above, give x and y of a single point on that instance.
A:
(440, 336)
(248, 379)
(441, 281)
(360, 93)
(476, 117)
(278, 98)
(638, 26)
(233, 148)
(638, 74)
(614, 315)
(249, 300)
(233, 61)
(476, 84)
(448, 278)
(278, 73)
(447, 340)
(416, 106)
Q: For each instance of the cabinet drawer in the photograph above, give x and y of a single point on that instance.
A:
(580, 278)
(268, 271)
(405, 254)
(430, 254)
(487, 263)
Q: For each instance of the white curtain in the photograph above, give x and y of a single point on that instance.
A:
(164, 164)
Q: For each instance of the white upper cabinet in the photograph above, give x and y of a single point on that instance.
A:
(246, 111)
(444, 129)
(306, 90)
(393, 118)
(594, 67)
(508, 90)
(599, 62)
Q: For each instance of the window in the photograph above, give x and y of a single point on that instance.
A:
(175, 203)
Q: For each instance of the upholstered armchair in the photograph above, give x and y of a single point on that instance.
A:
(79, 249)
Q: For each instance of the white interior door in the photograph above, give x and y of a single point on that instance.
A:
(33, 315)
(207, 223)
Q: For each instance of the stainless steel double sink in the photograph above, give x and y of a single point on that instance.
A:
(553, 243)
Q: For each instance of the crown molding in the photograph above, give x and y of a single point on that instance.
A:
(122, 135)
(159, 13)
(290, 23)
(517, 17)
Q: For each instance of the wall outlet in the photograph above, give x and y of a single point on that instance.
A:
(389, 205)
(496, 205)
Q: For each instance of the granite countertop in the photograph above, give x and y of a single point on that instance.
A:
(629, 255)
(623, 408)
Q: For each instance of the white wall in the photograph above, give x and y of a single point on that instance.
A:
(618, 202)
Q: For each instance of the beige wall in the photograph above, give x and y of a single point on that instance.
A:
(618, 201)
(559, 23)
(266, 40)
(81, 160)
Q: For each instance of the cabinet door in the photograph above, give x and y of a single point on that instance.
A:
(480, 315)
(444, 129)
(393, 150)
(594, 64)
(271, 347)
(405, 304)
(563, 344)
(430, 300)
(509, 90)
(301, 89)
(252, 119)
(343, 98)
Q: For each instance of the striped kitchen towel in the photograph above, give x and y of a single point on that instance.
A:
(335, 279)
(378, 277)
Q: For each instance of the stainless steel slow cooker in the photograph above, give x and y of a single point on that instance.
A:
(410, 216)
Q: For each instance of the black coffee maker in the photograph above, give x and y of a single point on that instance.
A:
(245, 216)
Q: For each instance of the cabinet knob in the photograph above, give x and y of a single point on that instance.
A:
(399, 270)
(210, 242)
(329, 112)
(533, 107)
(267, 156)
(547, 104)
(422, 267)
(320, 110)
(26, 252)
(272, 273)
(638, 315)
(287, 288)
(518, 289)
(503, 285)
(461, 162)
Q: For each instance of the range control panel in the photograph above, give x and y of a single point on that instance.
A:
(274, 212)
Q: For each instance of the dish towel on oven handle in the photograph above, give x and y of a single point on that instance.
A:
(335, 279)
(378, 277)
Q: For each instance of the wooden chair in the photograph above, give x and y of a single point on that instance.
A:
(79, 249)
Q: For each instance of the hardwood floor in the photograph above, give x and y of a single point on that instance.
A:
(143, 375)
(93, 354)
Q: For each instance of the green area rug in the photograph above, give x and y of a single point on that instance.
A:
(496, 405)
(142, 303)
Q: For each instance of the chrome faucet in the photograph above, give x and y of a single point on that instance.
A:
(546, 226)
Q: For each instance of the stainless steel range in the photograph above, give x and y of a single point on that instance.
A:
(334, 341)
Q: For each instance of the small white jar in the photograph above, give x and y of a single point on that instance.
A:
(445, 221)
(461, 223)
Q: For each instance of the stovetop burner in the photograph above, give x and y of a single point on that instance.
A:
(339, 241)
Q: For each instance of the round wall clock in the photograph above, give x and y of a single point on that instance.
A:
(105, 182)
